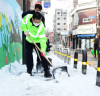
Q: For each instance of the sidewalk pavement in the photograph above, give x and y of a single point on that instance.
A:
(90, 58)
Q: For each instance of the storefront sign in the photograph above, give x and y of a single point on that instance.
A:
(91, 16)
(87, 29)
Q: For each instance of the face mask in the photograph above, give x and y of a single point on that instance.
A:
(36, 24)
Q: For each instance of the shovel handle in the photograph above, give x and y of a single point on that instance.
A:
(38, 54)
(41, 51)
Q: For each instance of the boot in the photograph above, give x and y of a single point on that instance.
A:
(29, 72)
(47, 74)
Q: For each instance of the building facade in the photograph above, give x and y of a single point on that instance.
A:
(60, 25)
(84, 21)
(20, 2)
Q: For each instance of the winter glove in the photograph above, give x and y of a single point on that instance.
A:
(26, 33)
(43, 54)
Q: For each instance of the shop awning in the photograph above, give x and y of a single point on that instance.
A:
(88, 35)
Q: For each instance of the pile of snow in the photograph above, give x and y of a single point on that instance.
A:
(14, 68)
(22, 84)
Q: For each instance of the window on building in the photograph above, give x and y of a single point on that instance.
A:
(64, 28)
(64, 23)
(64, 18)
(58, 23)
(87, 20)
(58, 12)
(58, 18)
(58, 28)
(65, 13)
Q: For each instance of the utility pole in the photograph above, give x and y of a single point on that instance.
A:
(23, 38)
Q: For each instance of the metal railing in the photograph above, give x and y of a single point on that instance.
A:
(63, 53)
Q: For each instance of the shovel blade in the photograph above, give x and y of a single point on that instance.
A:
(62, 69)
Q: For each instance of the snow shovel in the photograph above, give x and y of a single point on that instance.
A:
(39, 63)
(64, 68)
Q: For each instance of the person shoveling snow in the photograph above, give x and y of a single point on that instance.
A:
(35, 29)
(35, 38)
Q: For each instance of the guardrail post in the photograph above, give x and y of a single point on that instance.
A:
(98, 74)
(54, 51)
(68, 56)
(75, 59)
(65, 55)
(84, 61)
(57, 52)
(60, 52)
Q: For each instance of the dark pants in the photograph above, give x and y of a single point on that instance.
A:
(95, 48)
(29, 57)
(38, 58)
(48, 49)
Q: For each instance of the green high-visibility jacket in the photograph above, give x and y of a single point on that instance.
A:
(36, 33)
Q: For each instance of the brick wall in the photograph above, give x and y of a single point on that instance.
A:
(20, 2)
(86, 14)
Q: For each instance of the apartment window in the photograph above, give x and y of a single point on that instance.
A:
(87, 20)
(58, 12)
(58, 24)
(64, 18)
(58, 18)
(64, 23)
(65, 13)
(58, 28)
(64, 28)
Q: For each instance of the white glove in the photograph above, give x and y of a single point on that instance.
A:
(26, 33)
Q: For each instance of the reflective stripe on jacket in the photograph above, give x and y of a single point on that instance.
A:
(36, 33)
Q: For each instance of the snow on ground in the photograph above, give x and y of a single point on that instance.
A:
(19, 83)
